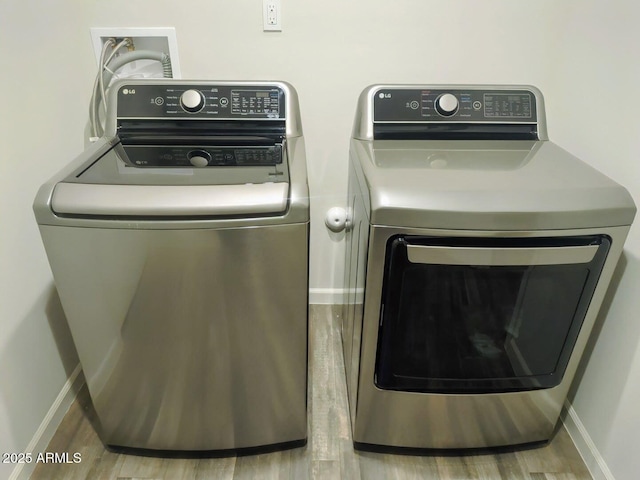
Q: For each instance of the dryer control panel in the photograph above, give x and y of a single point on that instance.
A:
(446, 105)
(456, 112)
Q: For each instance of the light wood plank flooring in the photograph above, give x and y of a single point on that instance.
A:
(329, 453)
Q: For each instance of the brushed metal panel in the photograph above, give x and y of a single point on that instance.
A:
(189, 339)
(421, 420)
(356, 239)
(296, 212)
(545, 190)
(500, 256)
(169, 200)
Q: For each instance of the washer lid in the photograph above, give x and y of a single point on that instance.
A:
(110, 169)
(486, 185)
(108, 187)
(169, 200)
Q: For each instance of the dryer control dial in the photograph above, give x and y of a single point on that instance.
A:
(447, 104)
(192, 101)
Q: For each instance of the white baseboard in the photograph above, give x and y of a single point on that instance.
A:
(50, 424)
(327, 296)
(583, 442)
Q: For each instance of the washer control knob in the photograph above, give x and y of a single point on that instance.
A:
(446, 104)
(199, 158)
(192, 101)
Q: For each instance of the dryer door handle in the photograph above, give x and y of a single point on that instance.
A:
(479, 256)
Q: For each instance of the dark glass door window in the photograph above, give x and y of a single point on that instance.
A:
(464, 315)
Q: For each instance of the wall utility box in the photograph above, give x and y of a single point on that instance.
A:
(161, 39)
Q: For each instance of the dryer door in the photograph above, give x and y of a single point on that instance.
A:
(483, 315)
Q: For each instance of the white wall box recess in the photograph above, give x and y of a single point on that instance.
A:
(161, 39)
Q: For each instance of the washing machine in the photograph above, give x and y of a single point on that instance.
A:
(179, 247)
(478, 254)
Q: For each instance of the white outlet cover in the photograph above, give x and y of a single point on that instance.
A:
(271, 16)
(145, 38)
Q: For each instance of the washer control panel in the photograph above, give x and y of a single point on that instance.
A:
(203, 156)
(201, 102)
(457, 105)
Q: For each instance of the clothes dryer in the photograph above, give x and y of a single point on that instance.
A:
(478, 255)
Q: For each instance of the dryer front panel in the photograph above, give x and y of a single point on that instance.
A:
(470, 339)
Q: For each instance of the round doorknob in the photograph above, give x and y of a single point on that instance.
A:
(336, 219)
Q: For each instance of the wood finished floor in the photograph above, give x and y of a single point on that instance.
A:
(329, 453)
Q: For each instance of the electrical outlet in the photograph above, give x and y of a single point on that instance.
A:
(271, 16)
(159, 39)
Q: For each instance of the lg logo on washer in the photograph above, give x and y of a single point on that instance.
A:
(128, 91)
(384, 95)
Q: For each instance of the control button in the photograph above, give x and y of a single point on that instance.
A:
(477, 105)
(414, 105)
(199, 158)
(446, 104)
(158, 101)
(192, 101)
(224, 101)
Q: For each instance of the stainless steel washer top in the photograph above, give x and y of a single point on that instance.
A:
(477, 256)
(230, 156)
(179, 247)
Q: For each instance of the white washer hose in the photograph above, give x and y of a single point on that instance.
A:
(107, 72)
(121, 60)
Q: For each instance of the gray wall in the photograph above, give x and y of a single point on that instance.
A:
(592, 112)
